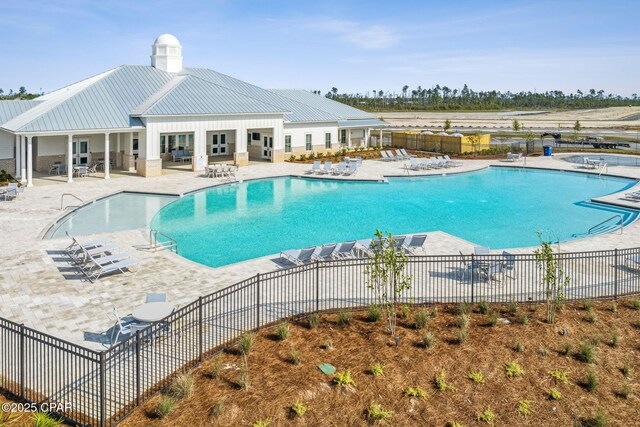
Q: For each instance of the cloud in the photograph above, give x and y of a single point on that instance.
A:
(358, 34)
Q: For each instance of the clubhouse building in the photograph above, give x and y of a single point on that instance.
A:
(135, 117)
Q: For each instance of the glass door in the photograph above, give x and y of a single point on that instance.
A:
(81, 154)
(219, 145)
(267, 146)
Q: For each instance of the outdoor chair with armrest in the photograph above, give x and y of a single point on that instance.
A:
(324, 252)
(414, 243)
(115, 267)
(299, 256)
(345, 250)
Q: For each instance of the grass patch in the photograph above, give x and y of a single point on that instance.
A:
(377, 369)
(262, 423)
(343, 379)
(483, 307)
(217, 409)
(246, 342)
(421, 318)
(42, 419)
(216, 368)
(560, 376)
(283, 331)
(634, 303)
(344, 318)
(295, 358)
(462, 336)
(525, 407)
(373, 313)
(441, 383)
(592, 382)
(600, 419)
(299, 408)
(476, 376)
(587, 352)
(314, 321)
(428, 340)
(513, 369)
(375, 412)
(181, 387)
(164, 407)
(554, 394)
(415, 392)
(487, 416)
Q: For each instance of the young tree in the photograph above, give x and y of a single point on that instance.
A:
(517, 127)
(386, 277)
(554, 279)
(447, 125)
(475, 140)
(529, 137)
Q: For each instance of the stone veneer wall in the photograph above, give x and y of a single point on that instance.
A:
(8, 165)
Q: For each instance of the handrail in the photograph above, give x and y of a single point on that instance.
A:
(72, 195)
(603, 168)
(607, 220)
(171, 244)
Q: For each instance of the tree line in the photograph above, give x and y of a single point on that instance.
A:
(446, 99)
(21, 93)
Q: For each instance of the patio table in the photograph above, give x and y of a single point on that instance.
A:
(152, 311)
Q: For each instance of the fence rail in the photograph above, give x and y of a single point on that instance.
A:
(101, 388)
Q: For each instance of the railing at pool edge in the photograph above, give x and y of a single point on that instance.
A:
(154, 245)
(106, 386)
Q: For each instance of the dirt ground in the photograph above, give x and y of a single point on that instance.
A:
(275, 383)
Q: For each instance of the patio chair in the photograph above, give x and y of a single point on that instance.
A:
(385, 156)
(407, 155)
(84, 255)
(342, 167)
(81, 171)
(399, 243)
(116, 267)
(493, 271)
(324, 252)
(510, 157)
(358, 160)
(155, 297)
(299, 256)
(437, 163)
(400, 155)
(345, 250)
(452, 162)
(427, 163)
(92, 262)
(315, 167)
(635, 196)
(328, 168)
(92, 169)
(352, 168)
(415, 164)
(509, 262)
(76, 246)
(414, 243)
(392, 156)
(443, 162)
(481, 250)
(55, 168)
(466, 266)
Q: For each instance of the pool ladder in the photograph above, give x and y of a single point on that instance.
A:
(155, 245)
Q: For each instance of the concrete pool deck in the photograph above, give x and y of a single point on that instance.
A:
(38, 287)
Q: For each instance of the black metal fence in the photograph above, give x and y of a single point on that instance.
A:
(100, 388)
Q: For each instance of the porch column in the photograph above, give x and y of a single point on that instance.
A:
(118, 151)
(18, 143)
(106, 156)
(380, 141)
(69, 158)
(23, 160)
(29, 161)
(366, 137)
(348, 137)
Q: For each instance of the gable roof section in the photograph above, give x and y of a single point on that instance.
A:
(13, 108)
(104, 104)
(191, 95)
(297, 112)
(344, 112)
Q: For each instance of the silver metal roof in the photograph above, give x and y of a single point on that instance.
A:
(361, 123)
(12, 108)
(338, 109)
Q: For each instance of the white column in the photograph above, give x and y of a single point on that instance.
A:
(366, 137)
(380, 142)
(18, 156)
(118, 155)
(23, 161)
(70, 158)
(107, 147)
(29, 161)
(348, 137)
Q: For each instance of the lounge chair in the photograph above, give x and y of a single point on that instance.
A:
(352, 168)
(510, 156)
(452, 162)
(401, 156)
(345, 250)
(399, 244)
(442, 161)
(414, 243)
(315, 167)
(415, 164)
(426, 163)
(392, 156)
(324, 252)
(385, 156)
(407, 155)
(115, 267)
(77, 246)
(84, 256)
(9, 194)
(92, 262)
(342, 167)
(358, 160)
(299, 256)
(328, 168)
(635, 196)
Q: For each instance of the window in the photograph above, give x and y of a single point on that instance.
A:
(327, 140)
(176, 141)
(308, 138)
(287, 143)
(135, 144)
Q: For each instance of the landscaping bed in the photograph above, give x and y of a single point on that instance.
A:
(596, 346)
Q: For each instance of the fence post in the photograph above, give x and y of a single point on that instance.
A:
(200, 330)
(317, 286)
(257, 301)
(615, 273)
(103, 391)
(138, 368)
(473, 274)
(22, 369)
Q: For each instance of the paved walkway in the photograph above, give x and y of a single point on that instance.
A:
(40, 288)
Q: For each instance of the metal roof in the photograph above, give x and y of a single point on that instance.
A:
(12, 108)
(338, 109)
(189, 95)
(361, 123)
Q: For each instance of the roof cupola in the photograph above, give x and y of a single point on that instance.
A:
(166, 54)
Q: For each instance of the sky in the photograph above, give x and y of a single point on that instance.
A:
(355, 46)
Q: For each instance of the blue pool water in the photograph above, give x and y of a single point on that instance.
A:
(123, 211)
(496, 207)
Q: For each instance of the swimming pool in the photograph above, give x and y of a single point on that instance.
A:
(123, 211)
(495, 207)
(609, 159)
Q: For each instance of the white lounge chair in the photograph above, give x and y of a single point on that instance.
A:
(414, 243)
(415, 164)
(442, 161)
(299, 256)
(400, 155)
(116, 267)
(352, 168)
(328, 168)
(77, 246)
(392, 156)
(101, 260)
(407, 155)
(324, 252)
(345, 250)
(84, 256)
(385, 156)
(437, 163)
(452, 162)
(635, 196)
(427, 163)
(315, 167)
(342, 167)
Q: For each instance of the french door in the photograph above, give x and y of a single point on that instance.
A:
(219, 146)
(81, 155)
(267, 146)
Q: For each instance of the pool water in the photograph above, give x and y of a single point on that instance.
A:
(496, 207)
(123, 211)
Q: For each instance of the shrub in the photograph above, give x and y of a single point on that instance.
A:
(613, 307)
(561, 376)
(476, 376)
(243, 377)
(554, 394)
(343, 379)
(428, 340)
(43, 419)
(487, 416)
(283, 331)
(262, 423)
(524, 407)
(634, 303)
(314, 321)
(404, 311)
(483, 307)
(626, 370)
(463, 321)
(615, 339)
(344, 318)
(600, 419)
(299, 408)
(592, 381)
(181, 387)
(246, 342)
(302, 157)
(164, 407)
(587, 305)
(216, 410)
(376, 369)
(441, 382)
(566, 349)
(587, 352)
(462, 335)
(544, 352)
(512, 307)
(375, 412)
(292, 158)
(454, 424)
(492, 318)
(328, 344)
(373, 313)
(592, 317)
(513, 369)
(295, 357)
(517, 347)
(216, 367)
(415, 392)
(523, 319)
(421, 318)
(624, 391)
(463, 308)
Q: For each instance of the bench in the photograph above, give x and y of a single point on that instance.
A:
(180, 155)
